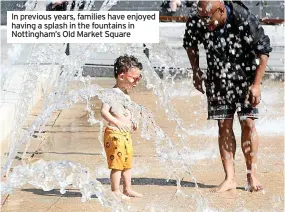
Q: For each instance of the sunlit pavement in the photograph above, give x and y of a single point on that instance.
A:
(68, 136)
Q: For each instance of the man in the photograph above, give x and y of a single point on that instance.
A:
(61, 5)
(170, 7)
(57, 5)
(174, 4)
(237, 52)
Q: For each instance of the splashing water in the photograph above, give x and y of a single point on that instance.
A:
(176, 159)
(58, 102)
(48, 175)
(108, 4)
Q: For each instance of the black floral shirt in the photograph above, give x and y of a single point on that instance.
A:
(231, 52)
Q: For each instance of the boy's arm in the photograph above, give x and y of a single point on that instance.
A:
(105, 112)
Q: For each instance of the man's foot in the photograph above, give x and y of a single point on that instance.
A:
(132, 193)
(253, 184)
(226, 185)
(121, 196)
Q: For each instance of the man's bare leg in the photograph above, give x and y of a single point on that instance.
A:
(227, 146)
(127, 177)
(250, 143)
(115, 177)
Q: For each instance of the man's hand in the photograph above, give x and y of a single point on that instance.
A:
(255, 95)
(255, 90)
(198, 80)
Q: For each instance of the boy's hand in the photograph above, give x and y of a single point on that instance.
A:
(135, 127)
(123, 127)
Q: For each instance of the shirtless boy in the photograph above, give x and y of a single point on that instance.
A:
(117, 137)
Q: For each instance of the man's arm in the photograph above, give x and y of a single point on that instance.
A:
(191, 40)
(259, 73)
(261, 46)
(193, 55)
(256, 85)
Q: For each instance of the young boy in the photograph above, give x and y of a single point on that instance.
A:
(117, 137)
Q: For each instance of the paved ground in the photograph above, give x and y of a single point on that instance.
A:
(68, 136)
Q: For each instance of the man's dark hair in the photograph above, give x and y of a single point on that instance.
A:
(124, 63)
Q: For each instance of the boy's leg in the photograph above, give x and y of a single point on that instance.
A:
(127, 177)
(249, 144)
(115, 177)
(227, 146)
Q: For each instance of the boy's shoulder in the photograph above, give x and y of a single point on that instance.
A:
(118, 90)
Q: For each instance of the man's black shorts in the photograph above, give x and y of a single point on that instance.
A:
(227, 111)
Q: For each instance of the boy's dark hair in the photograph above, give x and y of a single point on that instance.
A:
(124, 63)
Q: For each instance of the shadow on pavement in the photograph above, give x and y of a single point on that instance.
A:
(135, 181)
(56, 193)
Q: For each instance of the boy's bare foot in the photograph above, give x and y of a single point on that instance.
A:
(226, 185)
(121, 196)
(253, 183)
(132, 193)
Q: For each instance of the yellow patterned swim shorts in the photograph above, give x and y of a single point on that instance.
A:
(119, 149)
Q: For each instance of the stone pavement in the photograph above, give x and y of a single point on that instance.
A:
(68, 136)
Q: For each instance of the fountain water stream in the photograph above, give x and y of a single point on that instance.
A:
(175, 157)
